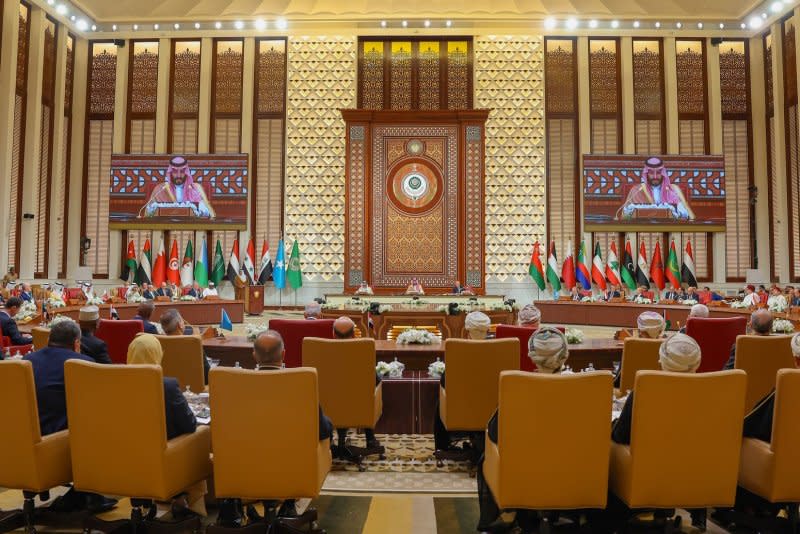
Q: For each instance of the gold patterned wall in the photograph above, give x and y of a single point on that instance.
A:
(509, 80)
(321, 80)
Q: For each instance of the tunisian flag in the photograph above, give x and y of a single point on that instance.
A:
(174, 266)
(160, 266)
(657, 267)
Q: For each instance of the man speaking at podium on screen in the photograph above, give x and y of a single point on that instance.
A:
(178, 191)
(655, 194)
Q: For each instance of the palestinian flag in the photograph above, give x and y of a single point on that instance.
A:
(598, 276)
(535, 268)
(642, 269)
(552, 268)
(673, 268)
(687, 270)
(627, 269)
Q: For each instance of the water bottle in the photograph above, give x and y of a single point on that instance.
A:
(237, 366)
(18, 355)
(590, 368)
(8, 354)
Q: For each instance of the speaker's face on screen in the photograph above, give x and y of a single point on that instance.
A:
(178, 176)
(654, 176)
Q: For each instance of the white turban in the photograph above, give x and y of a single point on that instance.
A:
(530, 314)
(651, 324)
(547, 348)
(796, 345)
(699, 310)
(679, 354)
(478, 322)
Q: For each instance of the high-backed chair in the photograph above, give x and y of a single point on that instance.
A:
(118, 335)
(580, 426)
(293, 331)
(129, 454)
(637, 354)
(662, 468)
(761, 357)
(6, 346)
(292, 467)
(522, 333)
(28, 461)
(41, 336)
(347, 390)
(715, 337)
(183, 360)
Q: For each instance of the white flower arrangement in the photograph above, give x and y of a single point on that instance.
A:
(26, 312)
(501, 307)
(383, 308)
(58, 319)
(688, 302)
(394, 369)
(54, 301)
(436, 369)
(254, 330)
(642, 300)
(782, 326)
(417, 337)
(187, 298)
(574, 336)
(135, 297)
(739, 305)
(94, 301)
(777, 305)
(413, 302)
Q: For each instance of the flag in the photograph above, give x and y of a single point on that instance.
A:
(218, 267)
(233, 263)
(279, 271)
(642, 269)
(584, 277)
(535, 269)
(201, 265)
(112, 312)
(552, 268)
(144, 273)
(160, 266)
(225, 322)
(248, 265)
(174, 268)
(673, 269)
(612, 266)
(597, 268)
(130, 262)
(187, 266)
(657, 267)
(265, 268)
(568, 268)
(627, 268)
(687, 271)
(295, 273)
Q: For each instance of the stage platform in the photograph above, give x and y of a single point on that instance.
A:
(338, 299)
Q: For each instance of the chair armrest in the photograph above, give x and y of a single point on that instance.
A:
(53, 461)
(187, 460)
(620, 471)
(757, 467)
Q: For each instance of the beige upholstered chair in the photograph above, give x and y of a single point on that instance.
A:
(761, 357)
(183, 360)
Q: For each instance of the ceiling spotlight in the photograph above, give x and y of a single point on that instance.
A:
(218, 25)
(657, 24)
(404, 24)
(113, 27)
(615, 24)
(593, 23)
(383, 24)
(82, 25)
(281, 23)
(176, 26)
(196, 25)
(764, 16)
(678, 25)
(636, 24)
(51, 2)
(721, 25)
(448, 23)
(572, 23)
(755, 22)
(94, 27)
(61, 9)
(260, 24)
(427, 24)
(549, 23)
(743, 25)
(156, 26)
(72, 18)
(135, 27)
(776, 6)
(238, 25)
(699, 25)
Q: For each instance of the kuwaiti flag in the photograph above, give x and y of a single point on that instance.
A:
(233, 263)
(673, 269)
(144, 273)
(173, 267)
(187, 265)
(657, 268)
(583, 275)
(552, 268)
(265, 269)
(248, 264)
(598, 276)
(628, 269)
(642, 269)
(612, 266)
(687, 270)
(160, 266)
(568, 268)
(535, 269)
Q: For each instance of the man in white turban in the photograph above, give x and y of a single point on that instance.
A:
(529, 316)
(650, 324)
(477, 325)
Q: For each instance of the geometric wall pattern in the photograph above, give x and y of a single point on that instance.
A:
(509, 80)
(321, 80)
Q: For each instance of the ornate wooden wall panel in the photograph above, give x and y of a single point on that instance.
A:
(63, 178)
(605, 96)
(226, 96)
(648, 96)
(184, 96)
(771, 156)
(788, 34)
(142, 97)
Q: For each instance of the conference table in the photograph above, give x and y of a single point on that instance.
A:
(200, 312)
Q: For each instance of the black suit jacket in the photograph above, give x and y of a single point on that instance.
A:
(94, 347)
(193, 293)
(148, 295)
(758, 423)
(9, 328)
(149, 328)
(162, 292)
(621, 433)
(180, 419)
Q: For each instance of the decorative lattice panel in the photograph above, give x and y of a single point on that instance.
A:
(509, 79)
(321, 80)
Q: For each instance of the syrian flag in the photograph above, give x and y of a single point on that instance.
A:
(673, 269)
(187, 266)
(160, 266)
(552, 268)
(130, 262)
(265, 269)
(568, 268)
(657, 268)
(627, 269)
(687, 270)
(642, 268)
(174, 268)
(535, 268)
(598, 276)
(233, 263)
(248, 265)
(144, 273)
(612, 266)
(583, 275)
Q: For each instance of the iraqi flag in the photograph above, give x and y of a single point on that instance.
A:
(628, 269)
(160, 266)
(173, 267)
(248, 264)
(598, 270)
(642, 269)
(233, 263)
(687, 270)
(144, 274)
(535, 268)
(583, 275)
(130, 262)
(612, 266)
(265, 269)
(673, 271)
(552, 268)
(568, 268)
(187, 265)
(657, 268)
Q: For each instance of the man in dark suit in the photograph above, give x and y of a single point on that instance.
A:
(95, 348)
(26, 294)
(673, 293)
(147, 291)
(164, 291)
(611, 293)
(195, 291)
(9, 325)
(143, 314)
(760, 325)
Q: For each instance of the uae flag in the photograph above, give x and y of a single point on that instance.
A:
(187, 265)
(130, 262)
(627, 269)
(552, 268)
(144, 274)
(265, 269)
(160, 266)
(248, 265)
(233, 263)
(642, 268)
(657, 268)
(598, 276)
(568, 268)
(583, 275)
(673, 269)
(612, 266)
(174, 268)
(535, 268)
(687, 270)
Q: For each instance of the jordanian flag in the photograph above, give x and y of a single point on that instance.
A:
(552, 268)
(130, 262)
(673, 267)
(535, 268)
(627, 269)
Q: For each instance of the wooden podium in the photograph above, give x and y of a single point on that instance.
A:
(254, 300)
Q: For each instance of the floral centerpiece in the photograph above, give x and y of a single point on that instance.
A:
(26, 312)
(436, 369)
(417, 337)
(642, 300)
(135, 297)
(254, 330)
(688, 302)
(187, 298)
(574, 336)
(739, 305)
(55, 301)
(58, 319)
(777, 305)
(94, 301)
(394, 369)
(415, 302)
(782, 326)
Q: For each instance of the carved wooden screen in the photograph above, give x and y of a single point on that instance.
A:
(561, 115)
(605, 96)
(62, 192)
(142, 97)
(98, 148)
(226, 96)
(736, 146)
(788, 32)
(415, 73)
(184, 96)
(772, 175)
(648, 96)
(270, 115)
(18, 144)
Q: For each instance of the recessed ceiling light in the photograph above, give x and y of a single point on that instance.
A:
(764, 16)
(721, 25)
(678, 25)
(427, 24)
(615, 24)
(113, 27)
(94, 27)
(404, 24)
(636, 23)
(51, 2)
(281, 23)
(699, 25)
(135, 27)
(218, 25)
(776, 6)
(61, 9)
(572, 23)
(383, 24)
(657, 24)
(72, 18)
(82, 25)
(743, 25)
(549, 23)
(755, 22)
(177, 26)
(593, 23)
(196, 25)
(260, 24)
(448, 23)
(156, 26)
(238, 24)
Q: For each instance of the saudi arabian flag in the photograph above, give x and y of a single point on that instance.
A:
(201, 265)
(218, 268)
(187, 265)
(294, 274)
(552, 268)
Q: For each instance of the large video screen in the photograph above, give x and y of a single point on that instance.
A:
(189, 192)
(654, 193)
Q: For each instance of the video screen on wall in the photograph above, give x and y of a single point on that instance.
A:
(178, 191)
(654, 193)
